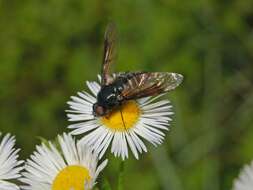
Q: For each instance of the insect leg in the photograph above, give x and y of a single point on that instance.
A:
(122, 118)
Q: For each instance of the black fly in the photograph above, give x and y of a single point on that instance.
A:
(121, 87)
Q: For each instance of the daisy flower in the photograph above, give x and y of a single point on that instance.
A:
(245, 179)
(71, 167)
(10, 167)
(144, 118)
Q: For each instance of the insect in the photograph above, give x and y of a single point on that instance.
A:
(124, 86)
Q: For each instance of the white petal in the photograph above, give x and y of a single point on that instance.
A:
(10, 167)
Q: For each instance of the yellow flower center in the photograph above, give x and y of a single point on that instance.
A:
(123, 117)
(71, 178)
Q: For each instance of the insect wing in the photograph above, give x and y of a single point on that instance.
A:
(109, 53)
(149, 84)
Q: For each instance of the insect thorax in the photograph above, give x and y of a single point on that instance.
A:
(108, 96)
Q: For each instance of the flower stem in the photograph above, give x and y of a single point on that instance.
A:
(121, 176)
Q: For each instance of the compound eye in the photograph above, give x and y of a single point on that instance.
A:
(98, 110)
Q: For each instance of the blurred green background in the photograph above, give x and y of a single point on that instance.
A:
(50, 48)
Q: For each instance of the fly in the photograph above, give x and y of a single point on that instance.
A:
(118, 88)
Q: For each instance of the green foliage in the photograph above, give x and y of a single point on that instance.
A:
(106, 185)
(50, 48)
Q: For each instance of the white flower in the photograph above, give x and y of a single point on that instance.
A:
(10, 167)
(74, 166)
(245, 179)
(125, 127)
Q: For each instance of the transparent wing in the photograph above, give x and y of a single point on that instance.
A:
(144, 84)
(109, 52)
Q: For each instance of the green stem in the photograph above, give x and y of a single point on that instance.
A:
(121, 176)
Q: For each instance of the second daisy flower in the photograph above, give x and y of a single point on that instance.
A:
(71, 166)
